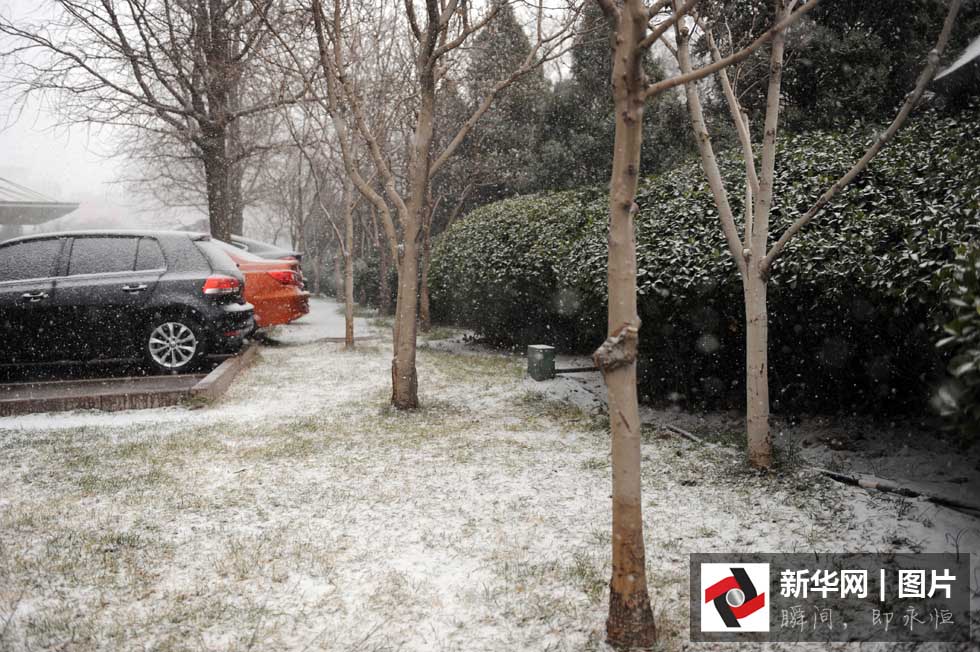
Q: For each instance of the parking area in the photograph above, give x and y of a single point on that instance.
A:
(112, 387)
(115, 385)
(103, 370)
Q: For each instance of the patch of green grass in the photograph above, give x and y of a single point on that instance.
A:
(439, 333)
(80, 458)
(788, 456)
(383, 323)
(588, 572)
(360, 311)
(187, 612)
(596, 464)
(435, 420)
(471, 368)
(730, 438)
(601, 536)
(246, 557)
(133, 450)
(108, 481)
(57, 629)
(539, 410)
(289, 446)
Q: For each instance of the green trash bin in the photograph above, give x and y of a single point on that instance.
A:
(541, 361)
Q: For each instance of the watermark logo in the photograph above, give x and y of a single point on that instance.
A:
(821, 598)
(733, 597)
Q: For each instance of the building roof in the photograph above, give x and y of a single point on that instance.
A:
(19, 205)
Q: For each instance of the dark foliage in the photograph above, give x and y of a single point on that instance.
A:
(959, 398)
(578, 126)
(855, 302)
(367, 275)
(850, 62)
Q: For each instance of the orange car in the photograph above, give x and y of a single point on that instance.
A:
(274, 287)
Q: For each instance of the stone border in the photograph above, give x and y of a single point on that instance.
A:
(130, 393)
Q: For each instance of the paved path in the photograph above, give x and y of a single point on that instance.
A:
(325, 320)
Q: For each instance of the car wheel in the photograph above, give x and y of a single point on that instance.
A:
(174, 345)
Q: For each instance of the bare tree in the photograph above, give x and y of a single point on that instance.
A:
(170, 65)
(437, 31)
(637, 28)
(166, 167)
(753, 254)
(325, 194)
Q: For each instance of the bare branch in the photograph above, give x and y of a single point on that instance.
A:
(913, 98)
(741, 55)
(661, 28)
(708, 160)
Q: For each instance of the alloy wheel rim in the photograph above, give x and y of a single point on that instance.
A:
(172, 345)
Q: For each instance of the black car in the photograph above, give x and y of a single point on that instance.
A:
(169, 297)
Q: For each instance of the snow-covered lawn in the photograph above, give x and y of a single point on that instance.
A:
(301, 513)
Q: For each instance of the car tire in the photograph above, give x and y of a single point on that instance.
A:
(174, 345)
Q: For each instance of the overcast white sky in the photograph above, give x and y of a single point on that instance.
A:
(66, 163)
(63, 163)
(59, 162)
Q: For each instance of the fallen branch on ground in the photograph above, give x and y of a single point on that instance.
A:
(686, 435)
(868, 482)
(871, 482)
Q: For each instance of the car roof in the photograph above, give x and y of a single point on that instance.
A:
(258, 245)
(244, 254)
(112, 233)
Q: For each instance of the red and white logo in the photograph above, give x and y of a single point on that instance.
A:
(733, 597)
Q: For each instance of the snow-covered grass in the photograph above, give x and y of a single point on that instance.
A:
(301, 513)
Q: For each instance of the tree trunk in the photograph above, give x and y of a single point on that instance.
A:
(317, 271)
(757, 369)
(758, 441)
(384, 288)
(630, 622)
(348, 266)
(338, 276)
(404, 377)
(236, 170)
(236, 199)
(362, 297)
(425, 317)
(215, 159)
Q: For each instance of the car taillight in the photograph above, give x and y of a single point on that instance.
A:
(222, 285)
(285, 277)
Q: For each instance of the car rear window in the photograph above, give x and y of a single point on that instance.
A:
(102, 255)
(27, 260)
(218, 257)
(149, 255)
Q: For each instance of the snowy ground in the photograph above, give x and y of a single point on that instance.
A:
(300, 513)
(324, 322)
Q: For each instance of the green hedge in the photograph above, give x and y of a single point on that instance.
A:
(855, 302)
(959, 398)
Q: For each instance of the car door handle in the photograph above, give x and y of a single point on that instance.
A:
(134, 288)
(34, 297)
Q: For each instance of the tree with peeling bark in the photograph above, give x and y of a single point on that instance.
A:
(436, 31)
(752, 249)
(637, 28)
(157, 65)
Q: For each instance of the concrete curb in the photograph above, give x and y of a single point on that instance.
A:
(115, 394)
(218, 381)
